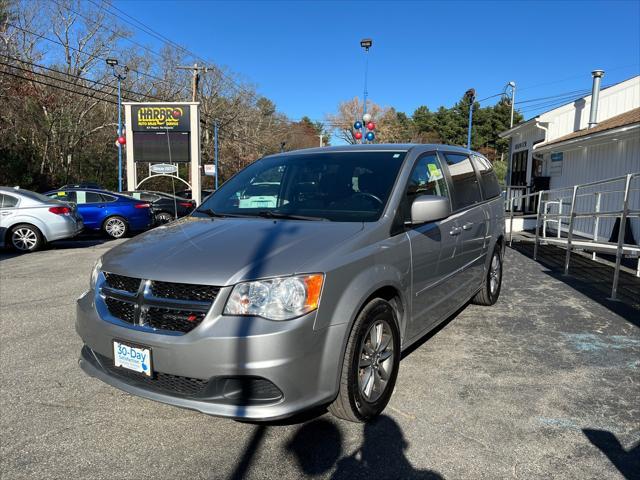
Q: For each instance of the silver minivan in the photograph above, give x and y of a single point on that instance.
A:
(260, 311)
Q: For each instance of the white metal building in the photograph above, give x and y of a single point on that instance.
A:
(560, 148)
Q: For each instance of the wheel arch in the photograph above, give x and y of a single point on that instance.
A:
(32, 222)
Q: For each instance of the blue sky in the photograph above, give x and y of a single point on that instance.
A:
(306, 57)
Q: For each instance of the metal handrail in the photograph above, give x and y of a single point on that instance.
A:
(542, 216)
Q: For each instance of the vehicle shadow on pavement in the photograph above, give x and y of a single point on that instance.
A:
(626, 461)
(317, 448)
(590, 278)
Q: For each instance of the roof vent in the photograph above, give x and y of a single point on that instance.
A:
(595, 95)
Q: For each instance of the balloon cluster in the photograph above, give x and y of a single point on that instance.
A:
(357, 126)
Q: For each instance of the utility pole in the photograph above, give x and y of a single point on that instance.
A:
(321, 137)
(195, 79)
(513, 100)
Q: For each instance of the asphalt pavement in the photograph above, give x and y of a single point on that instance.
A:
(545, 384)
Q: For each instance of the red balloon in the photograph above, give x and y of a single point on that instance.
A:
(358, 135)
(122, 140)
(371, 125)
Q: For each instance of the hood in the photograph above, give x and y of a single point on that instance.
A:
(224, 251)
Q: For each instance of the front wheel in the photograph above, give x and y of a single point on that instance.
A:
(115, 227)
(370, 364)
(490, 291)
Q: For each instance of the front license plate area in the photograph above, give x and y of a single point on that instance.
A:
(132, 357)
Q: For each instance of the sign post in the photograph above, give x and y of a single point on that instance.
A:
(163, 135)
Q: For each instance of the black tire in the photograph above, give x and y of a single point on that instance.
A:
(352, 403)
(25, 238)
(115, 227)
(164, 217)
(489, 293)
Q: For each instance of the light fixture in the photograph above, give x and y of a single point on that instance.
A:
(112, 62)
(366, 43)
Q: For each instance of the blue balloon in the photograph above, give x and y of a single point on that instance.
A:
(370, 136)
(357, 125)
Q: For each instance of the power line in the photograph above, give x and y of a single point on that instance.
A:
(150, 31)
(95, 82)
(59, 87)
(576, 76)
(91, 56)
(104, 27)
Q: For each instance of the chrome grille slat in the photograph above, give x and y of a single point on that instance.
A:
(179, 309)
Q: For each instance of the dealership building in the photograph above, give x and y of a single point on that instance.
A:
(579, 143)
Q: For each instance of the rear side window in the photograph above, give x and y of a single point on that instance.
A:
(466, 190)
(488, 179)
(7, 201)
(107, 198)
(147, 197)
(92, 197)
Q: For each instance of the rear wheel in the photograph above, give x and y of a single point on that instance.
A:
(26, 238)
(164, 217)
(115, 227)
(490, 291)
(370, 364)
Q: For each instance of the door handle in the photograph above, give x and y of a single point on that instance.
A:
(4, 214)
(467, 226)
(455, 231)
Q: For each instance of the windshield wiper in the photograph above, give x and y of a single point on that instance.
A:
(287, 216)
(213, 214)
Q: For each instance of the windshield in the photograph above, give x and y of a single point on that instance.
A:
(336, 186)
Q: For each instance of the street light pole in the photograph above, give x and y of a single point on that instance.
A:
(215, 149)
(471, 94)
(119, 135)
(113, 63)
(365, 43)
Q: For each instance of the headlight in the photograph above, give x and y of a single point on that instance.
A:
(276, 298)
(94, 274)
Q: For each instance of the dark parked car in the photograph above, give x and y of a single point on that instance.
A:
(165, 207)
(204, 193)
(92, 185)
(105, 211)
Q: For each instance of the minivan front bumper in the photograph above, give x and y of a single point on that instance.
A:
(300, 364)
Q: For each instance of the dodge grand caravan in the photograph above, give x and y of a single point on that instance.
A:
(258, 312)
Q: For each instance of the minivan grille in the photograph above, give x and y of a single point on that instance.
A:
(120, 282)
(159, 306)
(184, 291)
(123, 310)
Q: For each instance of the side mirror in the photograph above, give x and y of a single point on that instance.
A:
(429, 208)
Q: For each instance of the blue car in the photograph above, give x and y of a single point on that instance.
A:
(101, 210)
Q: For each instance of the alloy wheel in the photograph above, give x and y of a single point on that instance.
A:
(494, 274)
(24, 239)
(115, 227)
(376, 361)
